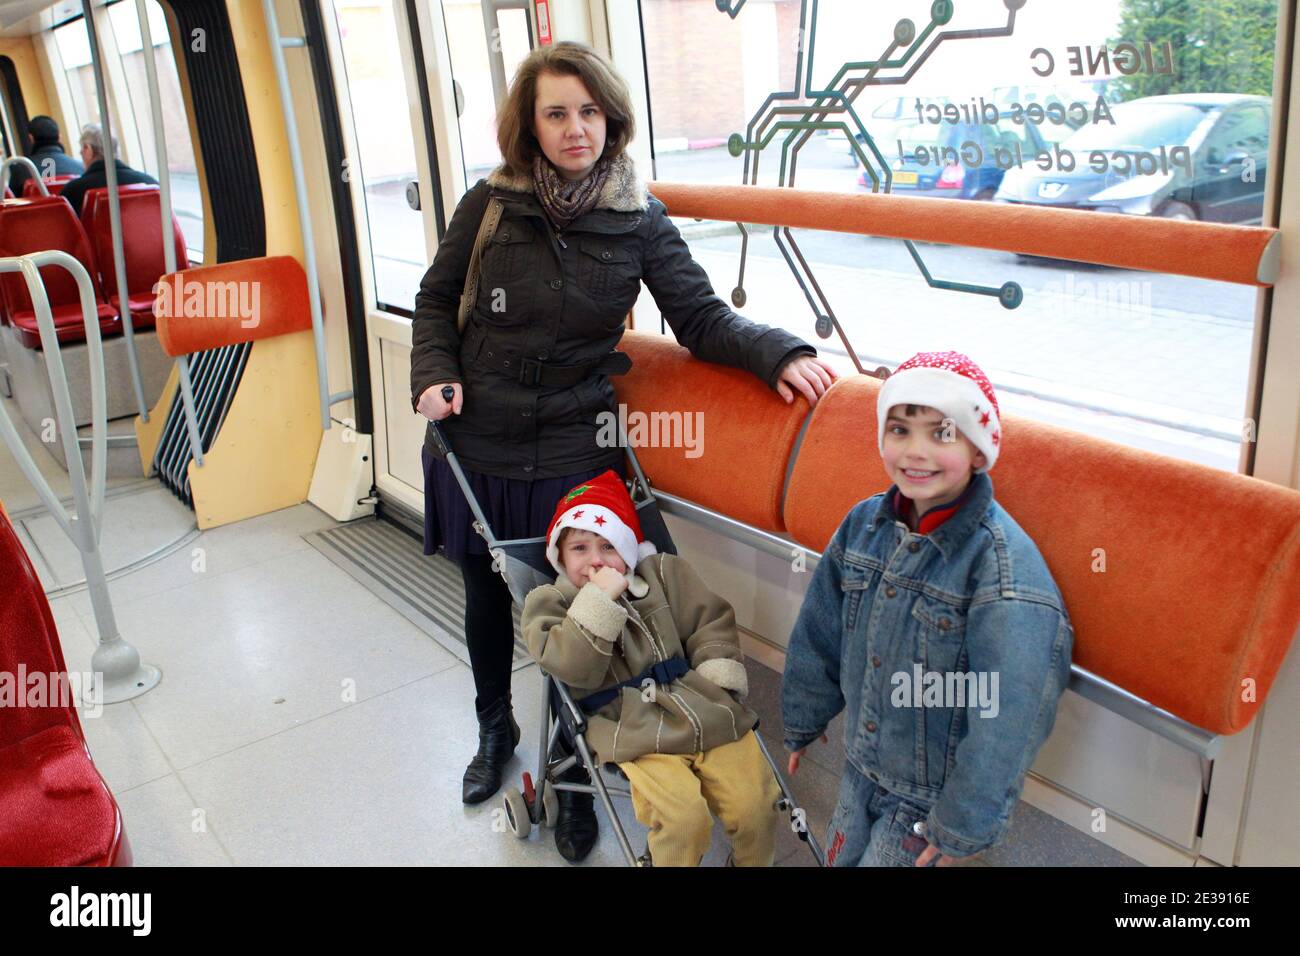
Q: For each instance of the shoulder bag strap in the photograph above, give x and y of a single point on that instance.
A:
(486, 230)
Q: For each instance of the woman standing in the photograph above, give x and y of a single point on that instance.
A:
(577, 237)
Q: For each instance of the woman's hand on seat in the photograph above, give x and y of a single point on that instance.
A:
(432, 405)
(808, 374)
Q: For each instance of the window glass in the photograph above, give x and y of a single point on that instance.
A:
(187, 199)
(74, 51)
(1107, 107)
(382, 119)
(482, 64)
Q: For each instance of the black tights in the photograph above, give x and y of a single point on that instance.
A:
(489, 629)
(490, 635)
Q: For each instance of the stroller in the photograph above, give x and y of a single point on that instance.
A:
(523, 564)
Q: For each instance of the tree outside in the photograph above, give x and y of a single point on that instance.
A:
(1219, 46)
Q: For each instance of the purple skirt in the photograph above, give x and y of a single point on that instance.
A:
(514, 507)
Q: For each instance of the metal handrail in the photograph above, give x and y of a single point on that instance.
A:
(114, 210)
(1114, 698)
(124, 676)
(115, 219)
(278, 43)
(24, 161)
(165, 210)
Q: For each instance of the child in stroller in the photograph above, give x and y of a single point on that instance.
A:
(658, 656)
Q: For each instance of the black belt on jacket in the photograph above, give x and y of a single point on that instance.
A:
(665, 672)
(535, 374)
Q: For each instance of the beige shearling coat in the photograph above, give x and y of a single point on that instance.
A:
(590, 642)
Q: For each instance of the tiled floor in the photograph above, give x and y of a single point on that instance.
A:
(300, 720)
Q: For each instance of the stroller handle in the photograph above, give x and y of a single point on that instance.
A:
(444, 446)
(448, 393)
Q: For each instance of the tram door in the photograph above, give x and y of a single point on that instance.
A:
(423, 81)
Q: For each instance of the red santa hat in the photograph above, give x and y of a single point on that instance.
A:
(602, 506)
(952, 384)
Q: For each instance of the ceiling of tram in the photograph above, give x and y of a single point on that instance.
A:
(25, 17)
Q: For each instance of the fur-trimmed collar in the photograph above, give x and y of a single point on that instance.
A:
(624, 190)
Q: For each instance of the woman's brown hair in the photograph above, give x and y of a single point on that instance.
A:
(515, 117)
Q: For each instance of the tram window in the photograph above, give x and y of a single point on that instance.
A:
(187, 199)
(381, 117)
(74, 52)
(1156, 361)
(473, 56)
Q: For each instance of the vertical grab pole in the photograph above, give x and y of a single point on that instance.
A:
(114, 209)
(165, 208)
(304, 211)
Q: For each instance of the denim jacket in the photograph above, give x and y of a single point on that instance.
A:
(885, 607)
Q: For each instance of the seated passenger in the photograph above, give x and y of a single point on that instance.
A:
(45, 150)
(934, 623)
(95, 176)
(659, 657)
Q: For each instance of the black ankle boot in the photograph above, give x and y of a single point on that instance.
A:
(576, 830)
(497, 736)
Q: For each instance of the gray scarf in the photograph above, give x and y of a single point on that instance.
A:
(565, 201)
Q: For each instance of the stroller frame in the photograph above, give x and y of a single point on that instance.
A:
(522, 562)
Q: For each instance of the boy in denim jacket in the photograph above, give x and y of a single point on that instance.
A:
(933, 620)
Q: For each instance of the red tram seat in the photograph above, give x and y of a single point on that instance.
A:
(55, 809)
(40, 224)
(54, 185)
(141, 245)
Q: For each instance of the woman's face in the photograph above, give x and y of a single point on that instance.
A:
(569, 124)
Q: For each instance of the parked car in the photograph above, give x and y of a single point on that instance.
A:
(954, 160)
(881, 123)
(1218, 144)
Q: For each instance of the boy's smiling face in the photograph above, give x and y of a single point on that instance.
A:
(580, 550)
(925, 454)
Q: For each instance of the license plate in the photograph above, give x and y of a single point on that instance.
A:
(904, 179)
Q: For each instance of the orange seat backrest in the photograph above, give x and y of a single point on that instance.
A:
(210, 306)
(745, 436)
(1197, 604)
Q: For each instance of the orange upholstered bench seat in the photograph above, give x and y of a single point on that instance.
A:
(742, 430)
(1197, 603)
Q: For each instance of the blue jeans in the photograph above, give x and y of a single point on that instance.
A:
(873, 827)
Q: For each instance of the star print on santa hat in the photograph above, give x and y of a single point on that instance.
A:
(604, 508)
(953, 385)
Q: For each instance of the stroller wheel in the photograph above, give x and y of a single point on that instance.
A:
(550, 805)
(517, 813)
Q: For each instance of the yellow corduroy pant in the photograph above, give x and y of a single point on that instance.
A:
(672, 794)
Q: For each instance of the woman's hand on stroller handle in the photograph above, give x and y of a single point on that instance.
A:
(440, 400)
(793, 766)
